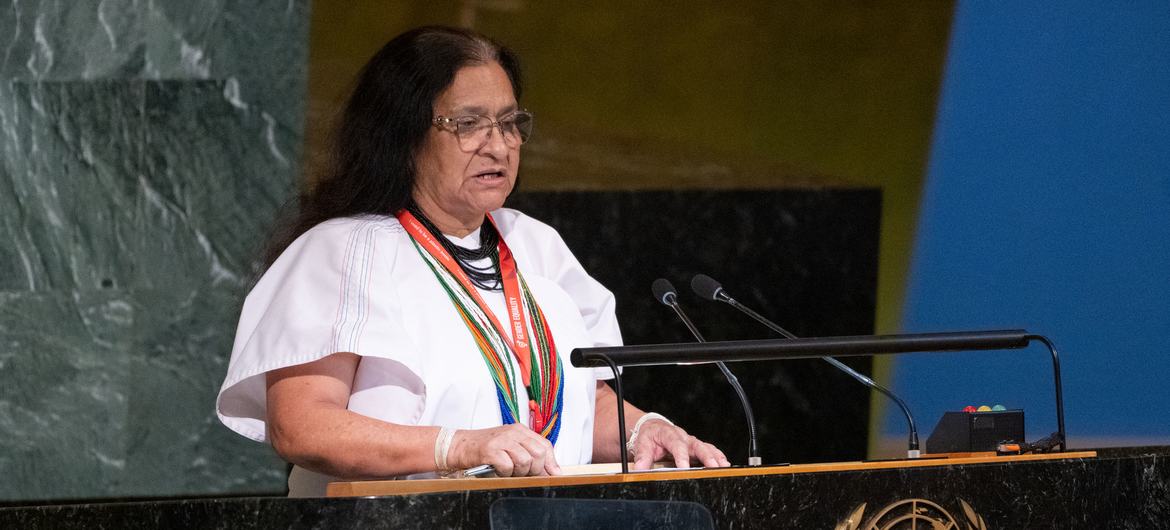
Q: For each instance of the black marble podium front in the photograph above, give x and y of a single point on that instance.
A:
(1124, 488)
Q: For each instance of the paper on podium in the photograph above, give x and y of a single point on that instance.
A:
(616, 467)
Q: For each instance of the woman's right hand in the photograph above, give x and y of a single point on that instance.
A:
(513, 450)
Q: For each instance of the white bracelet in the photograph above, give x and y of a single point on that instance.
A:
(442, 446)
(638, 426)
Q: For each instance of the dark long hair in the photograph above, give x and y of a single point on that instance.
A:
(371, 166)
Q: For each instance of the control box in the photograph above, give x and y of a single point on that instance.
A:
(970, 432)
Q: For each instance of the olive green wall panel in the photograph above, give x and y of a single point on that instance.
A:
(694, 94)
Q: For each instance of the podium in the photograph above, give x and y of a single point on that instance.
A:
(1106, 488)
(611, 474)
(946, 491)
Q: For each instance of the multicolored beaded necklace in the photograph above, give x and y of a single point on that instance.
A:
(540, 368)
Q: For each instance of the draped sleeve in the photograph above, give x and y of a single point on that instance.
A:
(325, 294)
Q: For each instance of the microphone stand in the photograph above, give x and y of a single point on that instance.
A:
(670, 298)
(709, 288)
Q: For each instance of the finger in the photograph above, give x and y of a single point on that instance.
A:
(539, 453)
(707, 454)
(681, 452)
(548, 453)
(520, 443)
(723, 461)
(551, 467)
(643, 458)
(502, 462)
(646, 451)
(521, 460)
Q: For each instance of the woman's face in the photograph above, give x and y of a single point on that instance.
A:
(453, 183)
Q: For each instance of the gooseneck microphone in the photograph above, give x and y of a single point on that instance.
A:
(708, 288)
(664, 292)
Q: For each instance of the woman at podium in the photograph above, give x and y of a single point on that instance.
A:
(409, 325)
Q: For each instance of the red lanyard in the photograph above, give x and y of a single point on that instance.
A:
(514, 303)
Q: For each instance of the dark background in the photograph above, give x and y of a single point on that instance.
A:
(805, 258)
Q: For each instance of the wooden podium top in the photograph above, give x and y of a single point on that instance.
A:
(610, 473)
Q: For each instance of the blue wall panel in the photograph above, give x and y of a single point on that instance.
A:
(1047, 206)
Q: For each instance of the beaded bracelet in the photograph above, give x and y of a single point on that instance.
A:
(638, 426)
(442, 446)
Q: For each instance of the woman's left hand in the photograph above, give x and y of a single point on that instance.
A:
(658, 438)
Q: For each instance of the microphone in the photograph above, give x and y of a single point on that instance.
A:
(708, 288)
(664, 292)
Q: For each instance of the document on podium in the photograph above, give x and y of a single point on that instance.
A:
(616, 467)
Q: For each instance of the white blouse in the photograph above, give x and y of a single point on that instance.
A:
(359, 285)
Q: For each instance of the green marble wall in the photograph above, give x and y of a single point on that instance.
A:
(145, 146)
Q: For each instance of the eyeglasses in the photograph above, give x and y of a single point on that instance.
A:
(474, 132)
